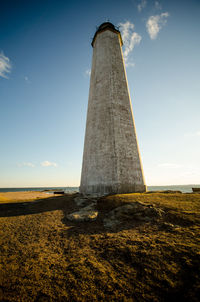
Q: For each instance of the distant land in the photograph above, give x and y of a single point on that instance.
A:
(182, 188)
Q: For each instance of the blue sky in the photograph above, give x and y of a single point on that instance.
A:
(45, 58)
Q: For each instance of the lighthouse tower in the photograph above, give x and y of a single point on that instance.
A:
(111, 158)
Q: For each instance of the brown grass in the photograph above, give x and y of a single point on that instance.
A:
(47, 258)
(22, 196)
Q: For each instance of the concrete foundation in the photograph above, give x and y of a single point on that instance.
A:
(111, 159)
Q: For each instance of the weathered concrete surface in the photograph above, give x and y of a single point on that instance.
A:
(111, 159)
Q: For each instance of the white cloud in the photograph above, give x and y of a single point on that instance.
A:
(26, 164)
(197, 133)
(130, 64)
(141, 5)
(26, 79)
(47, 163)
(5, 66)
(155, 23)
(88, 72)
(169, 165)
(191, 173)
(158, 5)
(130, 39)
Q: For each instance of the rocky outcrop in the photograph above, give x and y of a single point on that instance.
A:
(83, 201)
(88, 213)
(136, 210)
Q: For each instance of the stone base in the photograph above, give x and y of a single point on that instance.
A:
(101, 189)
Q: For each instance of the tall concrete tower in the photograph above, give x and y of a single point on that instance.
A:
(111, 158)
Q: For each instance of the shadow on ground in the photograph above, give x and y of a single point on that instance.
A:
(37, 206)
(67, 205)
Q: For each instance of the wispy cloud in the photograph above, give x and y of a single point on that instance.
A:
(158, 5)
(191, 172)
(47, 163)
(169, 165)
(130, 39)
(197, 133)
(26, 164)
(141, 5)
(88, 72)
(27, 79)
(155, 23)
(129, 64)
(5, 66)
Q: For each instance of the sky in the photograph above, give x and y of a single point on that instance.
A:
(45, 62)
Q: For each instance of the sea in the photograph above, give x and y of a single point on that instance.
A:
(182, 188)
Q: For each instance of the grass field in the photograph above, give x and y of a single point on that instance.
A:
(45, 257)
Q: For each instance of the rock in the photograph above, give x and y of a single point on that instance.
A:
(110, 223)
(153, 212)
(164, 191)
(172, 192)
(59, 192)
(82, 201)
(88, 213)
(136, 210)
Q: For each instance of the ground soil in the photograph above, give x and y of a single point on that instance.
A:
(45, 257)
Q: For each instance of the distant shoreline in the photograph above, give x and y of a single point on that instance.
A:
(182, 188)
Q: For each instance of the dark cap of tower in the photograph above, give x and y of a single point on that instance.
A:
(106, 26)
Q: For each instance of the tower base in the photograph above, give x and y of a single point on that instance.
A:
(102, 189)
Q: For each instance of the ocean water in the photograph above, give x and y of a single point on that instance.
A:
(40, 189)
(182, 188)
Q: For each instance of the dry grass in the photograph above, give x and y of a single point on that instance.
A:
(22, 196)
(47, 258)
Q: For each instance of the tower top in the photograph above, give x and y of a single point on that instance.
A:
(106, 26)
